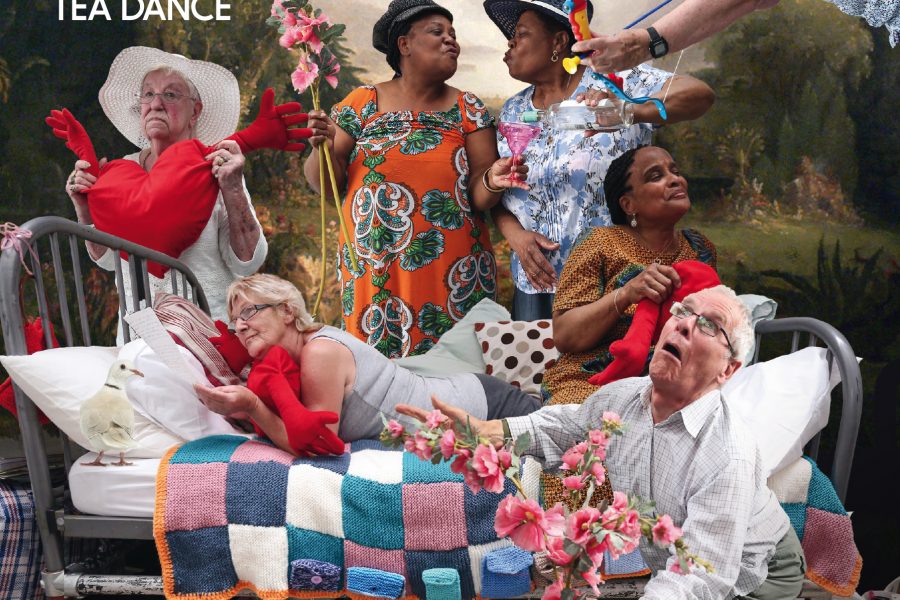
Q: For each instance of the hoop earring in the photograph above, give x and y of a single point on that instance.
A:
(633, 220)
(555, 56)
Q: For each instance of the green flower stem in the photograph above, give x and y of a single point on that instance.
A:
(323, 273)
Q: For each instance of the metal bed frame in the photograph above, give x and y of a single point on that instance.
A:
(56, 524)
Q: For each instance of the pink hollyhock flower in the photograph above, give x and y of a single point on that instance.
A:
(556, 520)
(573, 482)
(448, 444)
(471, 479)
(556, 553)
(675, 567)
(394, 428)
(596, 549)
(524, 521)
(592, 578)
(665, 532)
(571, 458)
(422, 446)
(620, 501)
(434, 420)
(598, 471)
(554, 591)
(631, 524)
(459, 463)
(597, 437)
(581, 447)
(580, 524)
(334, 67)
(276, 6)
(304, 75)
(308, 34)
(487, 464)
(611, 418)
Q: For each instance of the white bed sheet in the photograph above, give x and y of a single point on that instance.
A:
(114, 491)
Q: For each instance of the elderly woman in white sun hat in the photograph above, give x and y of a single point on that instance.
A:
(157, 99)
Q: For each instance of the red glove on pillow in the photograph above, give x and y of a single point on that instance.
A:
(231, 348)
(34, 342)
(630, 353)
(276, 380)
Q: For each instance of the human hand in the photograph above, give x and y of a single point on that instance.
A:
(500, 174)
(529, 246)
(230, 347)
(80, 181)
(655, 283)
(227, 164)
(272, 127)
(323, 129)
(493, 430)
(66, 127)
(592, 98)
(235, 401)
(617, 52)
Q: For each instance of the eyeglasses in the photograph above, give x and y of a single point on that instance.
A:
(706, 325)
(248, 312)
(167, 97)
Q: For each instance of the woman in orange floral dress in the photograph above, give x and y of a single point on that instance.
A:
(419, 162)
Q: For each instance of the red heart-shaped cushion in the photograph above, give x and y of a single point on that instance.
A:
(165, 209)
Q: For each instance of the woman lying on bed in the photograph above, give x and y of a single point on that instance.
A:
(301, 366)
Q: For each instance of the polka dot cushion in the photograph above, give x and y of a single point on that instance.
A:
(518, 352)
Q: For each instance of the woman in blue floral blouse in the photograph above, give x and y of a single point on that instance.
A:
(566, 168)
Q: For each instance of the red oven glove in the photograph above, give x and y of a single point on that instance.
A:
(231, 348)
(271, 129)
(67, 128)
(630, 353)
(276, 380)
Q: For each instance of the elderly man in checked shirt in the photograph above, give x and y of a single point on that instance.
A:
(684, 449)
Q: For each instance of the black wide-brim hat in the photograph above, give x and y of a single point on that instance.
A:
(505, 13)
(398, 13)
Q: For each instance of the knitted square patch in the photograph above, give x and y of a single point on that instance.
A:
(418, 561)
(480, 509)
(213, 448)
(372, 582)
(313, 545)
(305, 508)
(266, 570)
(825, 547)
(335, 463)
(208, 547)
(254, 452)
(477, 554)
(355, 555)
(373, 513)
(377, 465)
(196, 496)
(416, 470)
(433, 516)
(268, 505)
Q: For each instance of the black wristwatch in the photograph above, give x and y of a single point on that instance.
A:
(659, 47)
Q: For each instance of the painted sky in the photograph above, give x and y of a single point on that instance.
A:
(481, 69)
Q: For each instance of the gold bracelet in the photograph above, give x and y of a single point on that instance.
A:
(616, 301)
(487, 186)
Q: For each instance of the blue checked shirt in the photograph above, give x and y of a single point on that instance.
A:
(701, 466)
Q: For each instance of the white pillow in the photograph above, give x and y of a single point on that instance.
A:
(784, 402)
(168, 400)
(59, 380)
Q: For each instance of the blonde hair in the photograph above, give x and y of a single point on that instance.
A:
(272, 289)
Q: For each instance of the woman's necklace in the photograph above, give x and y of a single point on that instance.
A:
(657, 255)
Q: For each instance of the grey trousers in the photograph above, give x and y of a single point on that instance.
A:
(786, 571)
(505, 400)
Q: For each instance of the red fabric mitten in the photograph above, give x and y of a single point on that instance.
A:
(270, 128)
(630, 353)
(276, 380)
(231, 348)
(34, 342)
(66, 127)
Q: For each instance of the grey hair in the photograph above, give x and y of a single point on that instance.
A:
(742, 336)
(272, 289)
(167, 70)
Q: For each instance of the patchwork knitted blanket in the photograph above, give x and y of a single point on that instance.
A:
(823, 526)
(233, 513)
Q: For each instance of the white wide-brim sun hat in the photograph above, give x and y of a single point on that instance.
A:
(217, 87)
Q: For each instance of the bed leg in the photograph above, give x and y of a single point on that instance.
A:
(53, 583)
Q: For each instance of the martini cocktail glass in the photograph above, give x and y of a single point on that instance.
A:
(518, 135)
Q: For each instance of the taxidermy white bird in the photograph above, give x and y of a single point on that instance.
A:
(107, 417)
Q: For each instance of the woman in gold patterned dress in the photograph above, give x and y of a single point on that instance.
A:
(612, 268)
(419, 161)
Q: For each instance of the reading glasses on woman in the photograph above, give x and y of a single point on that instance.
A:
(168, 97)
(247, 313)
(706, 325)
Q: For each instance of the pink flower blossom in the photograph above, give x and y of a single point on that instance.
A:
(675, 567)
(556, 552)
(421, 446)
(394, 428)
(448, 444)
(571, 459)
(459, 463)
(574, 482)
(556, 520)
(597, 437)
(581, 447)
(611, 418)
(598, 471)
(434, 420)
(524, 521)
(334, 67)
(554, 591)
(304, 75)
(592, 578)
(631, 524)
(489, 465)
(620, 501)
(665, 532)
(581, 523)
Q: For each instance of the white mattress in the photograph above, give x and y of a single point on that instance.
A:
(114, 491)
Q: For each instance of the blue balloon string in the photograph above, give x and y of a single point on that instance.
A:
(646, 14)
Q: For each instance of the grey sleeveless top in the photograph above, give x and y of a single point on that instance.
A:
(381, 384)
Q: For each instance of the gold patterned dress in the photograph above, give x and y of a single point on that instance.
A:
(425, 257)
(603, 260)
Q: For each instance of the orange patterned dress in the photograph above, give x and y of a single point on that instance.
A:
(425, 257)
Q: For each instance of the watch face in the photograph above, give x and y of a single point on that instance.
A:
(659, 48)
